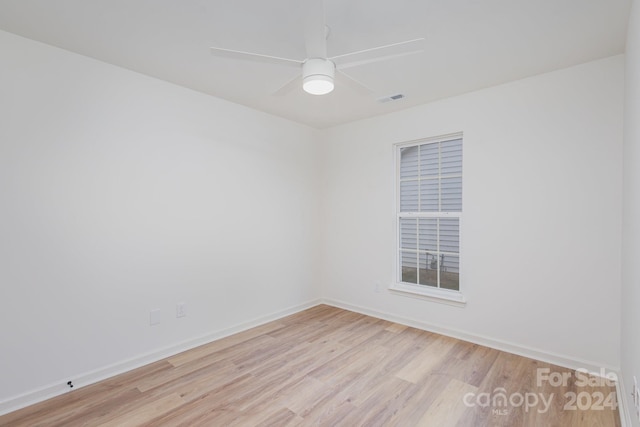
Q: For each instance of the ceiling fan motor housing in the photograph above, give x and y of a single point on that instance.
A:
(318, 75)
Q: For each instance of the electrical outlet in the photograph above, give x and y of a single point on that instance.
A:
(181, 309)
(377, 288)
(154, 317)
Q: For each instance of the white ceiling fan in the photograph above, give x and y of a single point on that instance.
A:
(318, 70)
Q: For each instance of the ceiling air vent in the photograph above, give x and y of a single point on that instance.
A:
(391, 98)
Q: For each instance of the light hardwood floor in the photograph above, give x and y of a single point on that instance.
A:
(330, 367)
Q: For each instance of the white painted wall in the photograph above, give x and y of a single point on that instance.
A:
(541, 219)
(631, 212)
(120, 194)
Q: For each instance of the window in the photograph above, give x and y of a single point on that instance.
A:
(429, 207)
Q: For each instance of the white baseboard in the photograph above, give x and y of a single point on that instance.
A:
(87, 378)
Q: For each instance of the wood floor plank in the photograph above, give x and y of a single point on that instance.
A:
(306, 395)
(396, 327)
(224, 343)
(145, 413)
(382, 403)
(424, 394)
(330, 412)
(327, 367)
(449, 405)
(282, 417)
(471, 366)
(202, 382)
(429, 359)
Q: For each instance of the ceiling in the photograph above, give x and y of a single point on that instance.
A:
(470, 44)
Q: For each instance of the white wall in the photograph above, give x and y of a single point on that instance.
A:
(541, 219)
(120, 194)
(631, 212)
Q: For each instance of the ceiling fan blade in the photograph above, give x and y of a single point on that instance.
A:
(314, 29)
(290, 86)
(345, 79)
(380, 53)
(237, 54)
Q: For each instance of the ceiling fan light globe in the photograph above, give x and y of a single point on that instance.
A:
(318, 84)
(317, 76)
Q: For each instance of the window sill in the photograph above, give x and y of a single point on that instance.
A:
(443, 296)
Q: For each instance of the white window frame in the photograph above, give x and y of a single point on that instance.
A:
(441, 295)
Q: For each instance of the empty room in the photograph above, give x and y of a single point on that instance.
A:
(320, 212)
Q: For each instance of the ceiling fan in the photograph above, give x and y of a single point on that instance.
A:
(318, 70)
